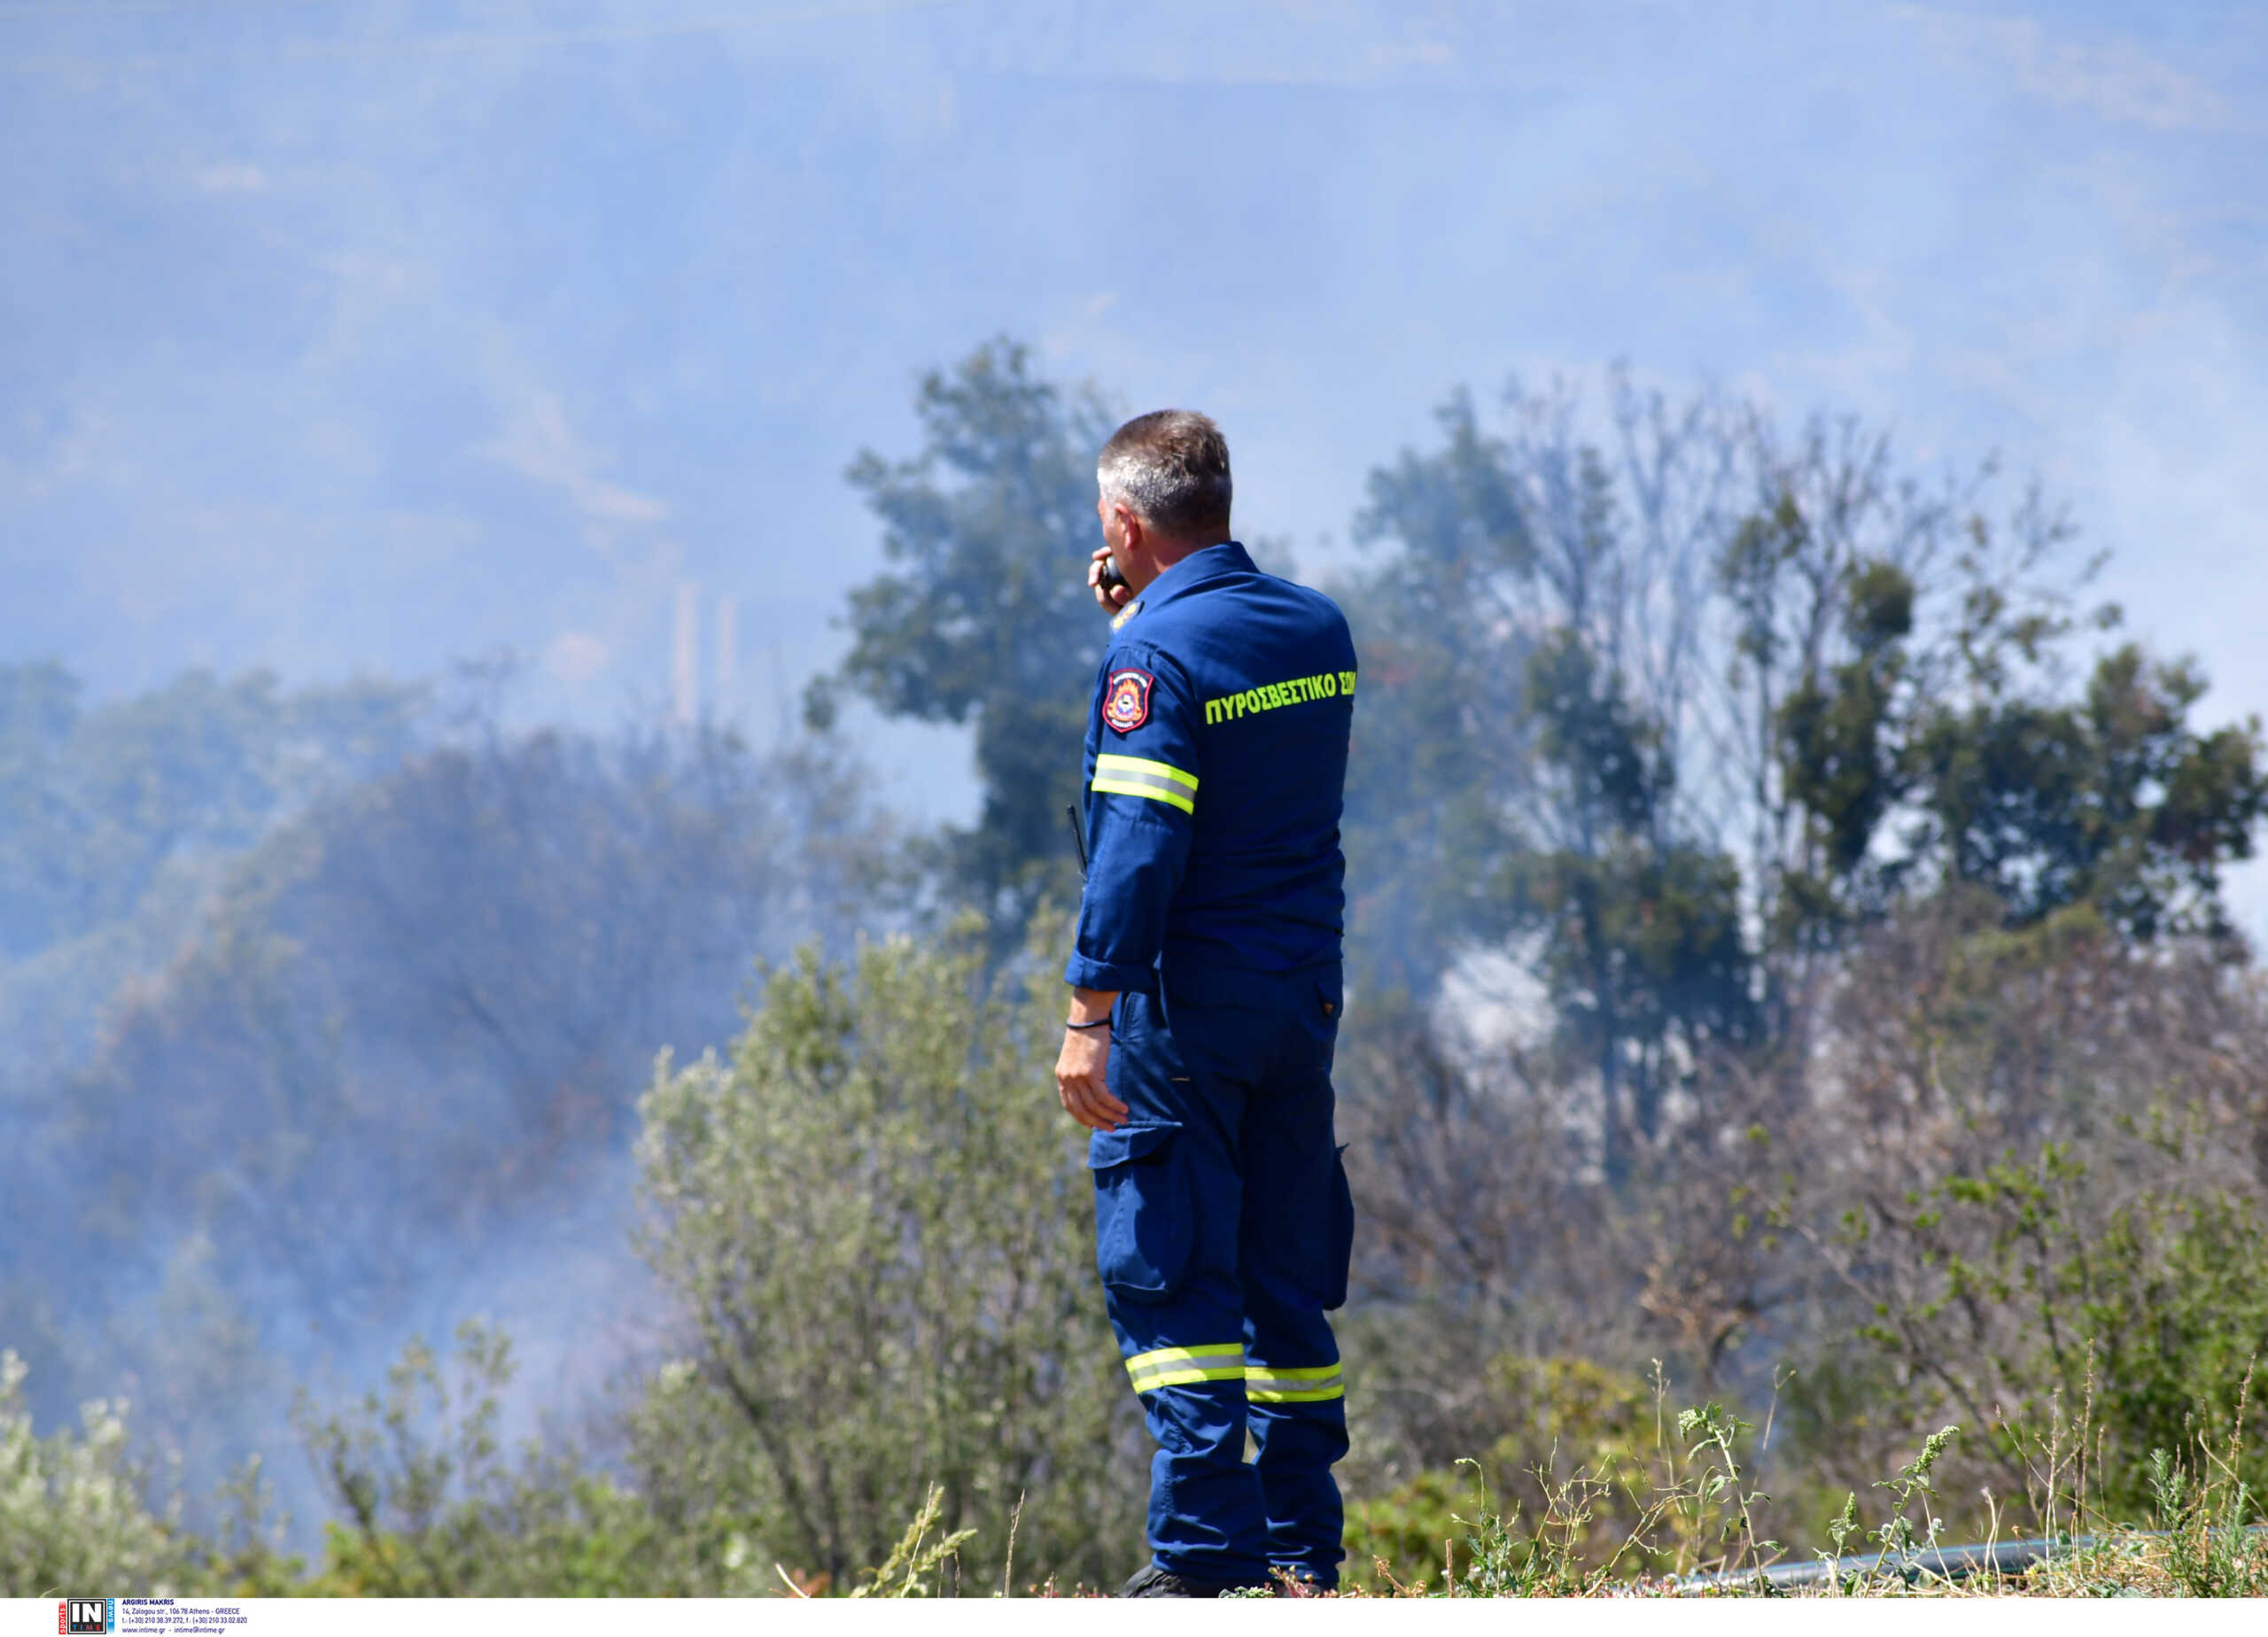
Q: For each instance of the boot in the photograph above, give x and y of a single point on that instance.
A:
(1152, 1581)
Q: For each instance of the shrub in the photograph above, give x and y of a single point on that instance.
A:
(72, 1509)
(431, 1506)
(877, 1225)
(2092, 1291)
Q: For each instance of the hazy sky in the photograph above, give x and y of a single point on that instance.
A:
(349, 335)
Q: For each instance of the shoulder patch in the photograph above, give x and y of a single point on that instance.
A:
(1126, 700)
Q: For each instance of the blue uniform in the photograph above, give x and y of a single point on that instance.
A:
(1216, 764)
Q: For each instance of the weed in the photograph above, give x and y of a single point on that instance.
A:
(901, 1574)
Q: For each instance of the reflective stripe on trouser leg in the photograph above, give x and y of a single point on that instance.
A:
(1263, 1384)
(1179, 1367)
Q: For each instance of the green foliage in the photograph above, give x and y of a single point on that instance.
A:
(1960, 755)
(417, 1017)
(1565, 1442)
(1421, 1537)
(119, 821)
(1640, 936)
(1911, 1490)
(74, 1514)
(95, 802)
(1695, 1534)
(1637, 1503)
(915, 1556)
(984, 616)
(2211, 1552)
(1834, 759)
(431, 1506)
(1789, 779)
(1439, 748)
(1721, 1509)
(1406, 1532)
(876, 1225)
(2044, 1284)
(2111, 799)
(1516, 772)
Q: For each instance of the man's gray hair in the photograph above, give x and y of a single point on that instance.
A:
(1170, 467)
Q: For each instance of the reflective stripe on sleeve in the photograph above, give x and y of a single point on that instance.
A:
(1178, 1367)
(1131, 775)
(1265, 1385)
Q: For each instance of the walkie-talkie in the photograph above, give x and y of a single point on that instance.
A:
(1079, 837)
(1112, 580)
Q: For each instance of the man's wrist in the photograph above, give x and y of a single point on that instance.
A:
(1091, 1006)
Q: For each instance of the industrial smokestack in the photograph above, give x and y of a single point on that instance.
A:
(684, 659)
(782, 727)
(728, 609)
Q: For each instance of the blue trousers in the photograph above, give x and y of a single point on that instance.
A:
(1223, 1229)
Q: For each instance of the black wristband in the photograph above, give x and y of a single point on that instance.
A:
(1098, 1023)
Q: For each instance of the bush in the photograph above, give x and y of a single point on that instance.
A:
(1540, 1424)
(431, 1507)
(2090, 1292)
(73, 1511)
(878, 1227)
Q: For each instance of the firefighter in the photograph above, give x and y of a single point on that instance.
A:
(1206, 1001)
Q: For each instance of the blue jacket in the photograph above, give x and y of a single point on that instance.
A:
(1215, 768)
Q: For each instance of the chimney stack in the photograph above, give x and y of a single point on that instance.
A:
(728, 609)
(684, 659)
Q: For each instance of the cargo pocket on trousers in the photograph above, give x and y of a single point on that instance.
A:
(1143, 1232)
(1339, 1242)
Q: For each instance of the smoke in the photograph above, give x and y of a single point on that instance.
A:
(383, 1081)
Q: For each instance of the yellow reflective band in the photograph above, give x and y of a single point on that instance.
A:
(1119, 787)
(1305, 1385)
(1131, 775)
(1117, 765)
(1178, 1367)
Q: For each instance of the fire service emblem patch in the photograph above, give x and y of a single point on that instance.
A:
(1126, 702)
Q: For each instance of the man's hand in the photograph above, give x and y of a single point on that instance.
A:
(1109, 598)
(1080, 1069)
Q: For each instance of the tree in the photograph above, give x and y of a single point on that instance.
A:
(95, 802)
(119, 822)
(499, 936)
(411, 1028)
(1954, 751)
(74, 1507)
(983, 617)
(1675, 712)
(1530, 645)
(876, 1225)
(2109, 800)
(1440, 747)
(1901, 719)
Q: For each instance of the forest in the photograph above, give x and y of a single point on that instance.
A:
(1789, 981)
